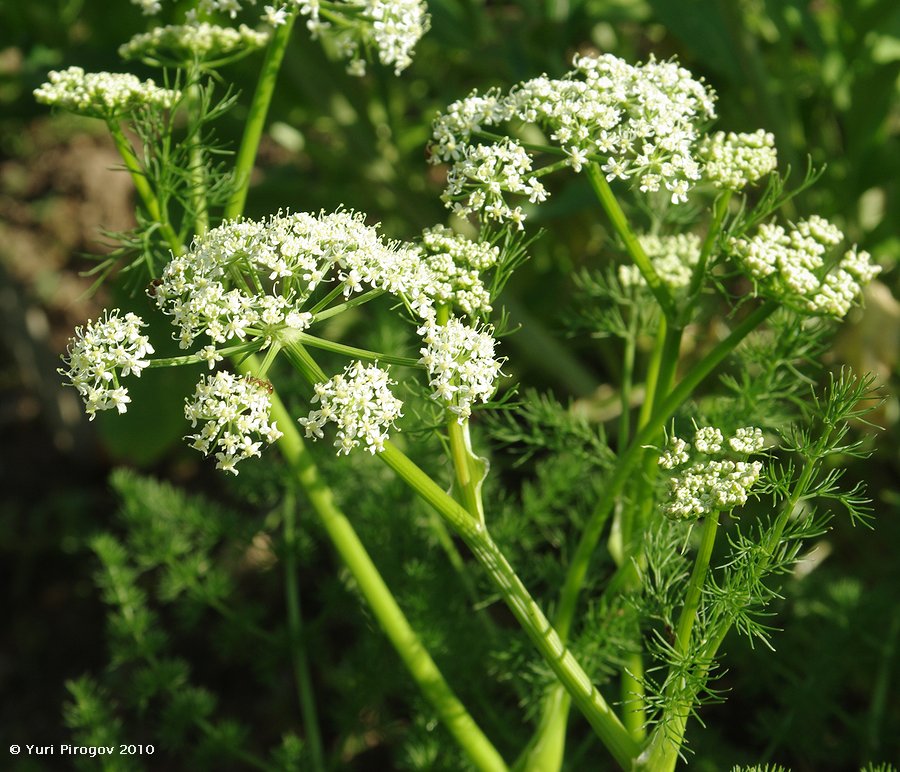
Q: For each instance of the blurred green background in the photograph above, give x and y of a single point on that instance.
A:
(823, 75)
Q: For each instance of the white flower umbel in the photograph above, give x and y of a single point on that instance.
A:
(714, 483)
(180, 44)
(251, 278)
(102, 94)
(457, 264)
(673, 258)
(100, 353)
(234, 416)
(790, 265)
(359, 401)
(477, 182)
(391, 27)
(461, 364)
(748, 439)
(733, 161)
(639, 122)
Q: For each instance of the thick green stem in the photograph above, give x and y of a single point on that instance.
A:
(620, 224)
(256, 117)
(384, 607)
(198, 163)
(471, 529)
(139, 178)
(548, 642)
(298, 646)
(695, 585)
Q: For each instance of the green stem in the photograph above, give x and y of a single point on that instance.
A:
(576, 682)
(695, 585)
(662, 751)
(470, 528)
(632, 245)
(627, 383)
(469, 468)
(142, 186)
(548, 642)
(720, 209)
(197, 162)
(352, 303)
(352, 351)
(256, 117)
(295, 630)
(628, 573)
(384, 607)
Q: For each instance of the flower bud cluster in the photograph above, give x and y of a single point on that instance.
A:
(640, 122)
(733, 161)
(460, 363)
(715, 483)
(457, 264)
(790, 265)
(359, 401)
(100, 353)
(102, 94)
(234, 413)
(176, 44)
(673, 257)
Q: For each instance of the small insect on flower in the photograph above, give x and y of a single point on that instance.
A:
(263, 384)
(153, 286)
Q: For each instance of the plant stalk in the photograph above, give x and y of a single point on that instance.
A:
(620, 224)
(256, 117)
(385, 609)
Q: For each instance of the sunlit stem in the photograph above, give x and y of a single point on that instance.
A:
(352, 351)
(197, 160)
(468, 467)
(256, 117)
(372, 587)
(359, 300)
(529, 615)
(620, 225)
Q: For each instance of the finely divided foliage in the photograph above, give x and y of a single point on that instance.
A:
(259, 295)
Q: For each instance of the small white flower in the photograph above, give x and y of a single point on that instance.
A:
(102, 351)
(359, 401)
(461, 364)
(232, 411)
(790, 265)
(274, 17)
